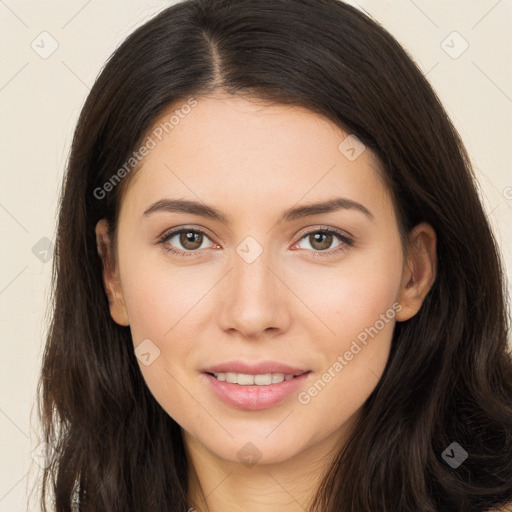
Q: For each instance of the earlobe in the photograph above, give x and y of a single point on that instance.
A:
(111, 282)
(419, 271)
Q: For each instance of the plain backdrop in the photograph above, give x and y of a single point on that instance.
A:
(51, 54)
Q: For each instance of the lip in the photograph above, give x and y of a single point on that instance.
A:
(254, 397)
(255, 368)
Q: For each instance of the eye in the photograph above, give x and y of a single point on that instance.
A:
(321, 240)
(190, 239)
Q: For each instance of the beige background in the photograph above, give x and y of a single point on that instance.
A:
(40, 99)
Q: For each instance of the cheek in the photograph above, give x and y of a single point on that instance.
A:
(357, 305)
(353, 294)
(150, 308)
(157, 295)
(160, 304)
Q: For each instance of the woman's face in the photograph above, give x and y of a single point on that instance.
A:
(256, 280)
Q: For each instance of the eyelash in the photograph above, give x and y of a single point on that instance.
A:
(346, 242)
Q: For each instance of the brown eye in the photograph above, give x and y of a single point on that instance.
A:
(185, 242)
(191, 240)
(321, 241)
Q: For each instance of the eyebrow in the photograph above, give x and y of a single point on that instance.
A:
(203, 210)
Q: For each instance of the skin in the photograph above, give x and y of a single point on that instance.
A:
(252, 161)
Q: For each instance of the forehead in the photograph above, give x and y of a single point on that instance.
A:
(229, 147)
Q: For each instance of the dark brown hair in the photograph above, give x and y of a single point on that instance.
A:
(449, 374)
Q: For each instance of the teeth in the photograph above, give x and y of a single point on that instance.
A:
(245, 379)
(277, 377)
(261, 380)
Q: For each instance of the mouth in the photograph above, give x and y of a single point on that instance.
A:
(261, 379)
(255, 391)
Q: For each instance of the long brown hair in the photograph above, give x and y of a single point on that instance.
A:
(449, 374)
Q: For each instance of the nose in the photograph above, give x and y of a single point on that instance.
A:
(253, 297)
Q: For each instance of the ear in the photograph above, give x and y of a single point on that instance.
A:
(419, 271)
(111, 282)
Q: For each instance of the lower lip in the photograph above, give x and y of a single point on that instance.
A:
(254, 397)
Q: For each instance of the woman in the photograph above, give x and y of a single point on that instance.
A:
(275, 284)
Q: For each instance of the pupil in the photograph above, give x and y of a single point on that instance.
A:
(326, 236)
(190, 237)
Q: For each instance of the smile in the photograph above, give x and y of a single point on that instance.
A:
(254, 392)
(245, 379)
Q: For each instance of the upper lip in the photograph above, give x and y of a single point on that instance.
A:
(260, 368)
